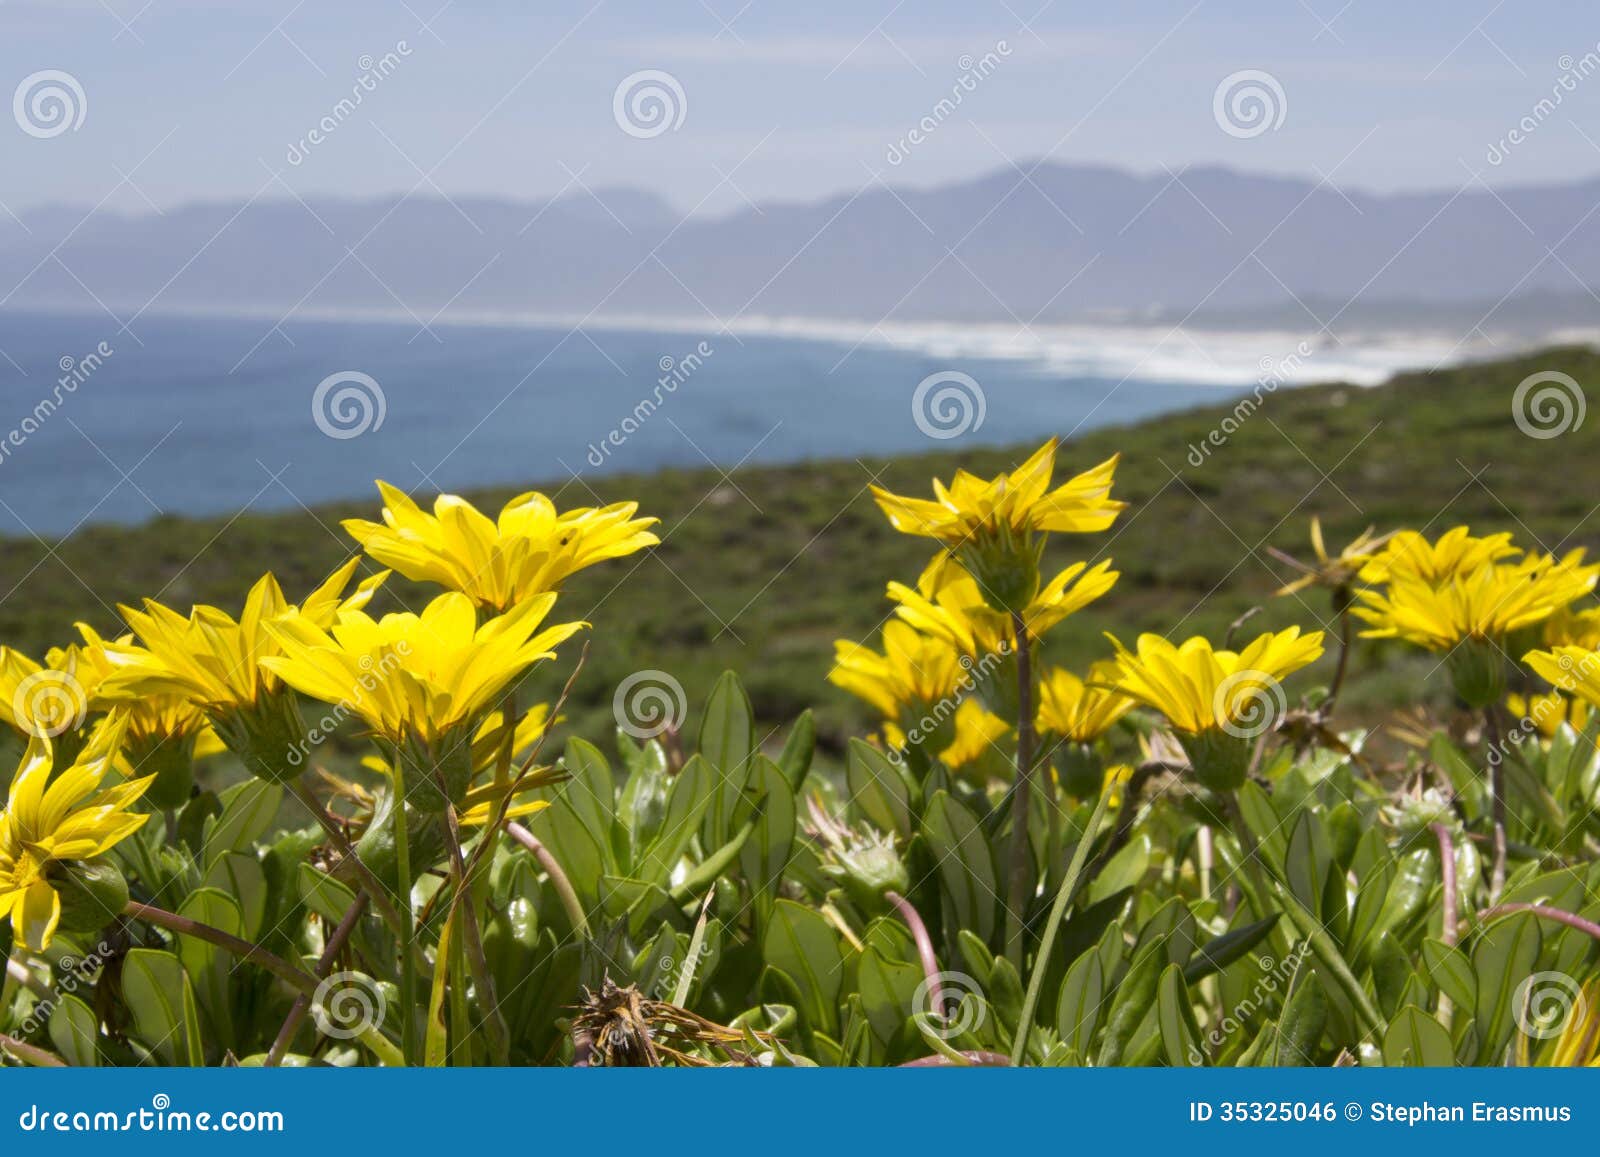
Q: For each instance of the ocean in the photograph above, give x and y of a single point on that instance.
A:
(205, 415)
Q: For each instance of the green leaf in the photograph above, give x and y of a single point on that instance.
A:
(1308, 861)
(766, 854)
(327, 897)
(887, 989)
(1505, 956)
(795, 758)
(240, 875)
(1180, 1034)
(878, 789)
(248, 810)
(588, 795)
(1232, 945)
(687, 803)
(1078, 1006)
(1451, 969)
(806, 948)
(1123, 870)
(727, 737)
(210, 969)
(158, 995)
(1416, 1039)
(1298, 1035)
(966, 864)
(75, 1031)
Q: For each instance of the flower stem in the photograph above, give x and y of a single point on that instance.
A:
(1021, 798)
(301, 980)
(374, 887)
(919, 934)
(1545, 912)
(494, 1020)
(1447, 874)
(30, 1054)
(1497, 790)
(558, 878)
(1341, 602)
(407, 930)
(1047, 942)
(973, 1057)
(302, 1003)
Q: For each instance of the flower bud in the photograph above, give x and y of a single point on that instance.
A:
(1478, 670)
(867, 864)
(1220, 760)
(269, 737)
(170, 758)
(1079, 770)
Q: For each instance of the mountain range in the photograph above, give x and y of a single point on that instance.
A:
(1048, 243)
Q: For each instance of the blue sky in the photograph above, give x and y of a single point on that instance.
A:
(193, 101)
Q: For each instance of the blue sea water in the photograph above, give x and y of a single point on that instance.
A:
(205, 416)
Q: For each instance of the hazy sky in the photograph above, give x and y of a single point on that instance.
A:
(192, 100)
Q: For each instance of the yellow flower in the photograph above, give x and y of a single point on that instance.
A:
(1201, 689)
(212, 659)
(1336, 571)
(418, 680)
(1548, 712)
(50, 820)
(1578, 628)
(149, 719)
(914, 670)
(1081, 710)
(1457, 552)
(1485, 604)
(1573, 670)
(948, 605)
(1021, 502)
(49, 699)
(977, 731)
(1579, 1042)
(530, 550)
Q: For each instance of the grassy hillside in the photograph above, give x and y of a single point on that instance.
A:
(763, 573)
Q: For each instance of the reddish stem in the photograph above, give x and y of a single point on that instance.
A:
(919, 933)
(1447, 870)
(980, 1059)
(1544, 911)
